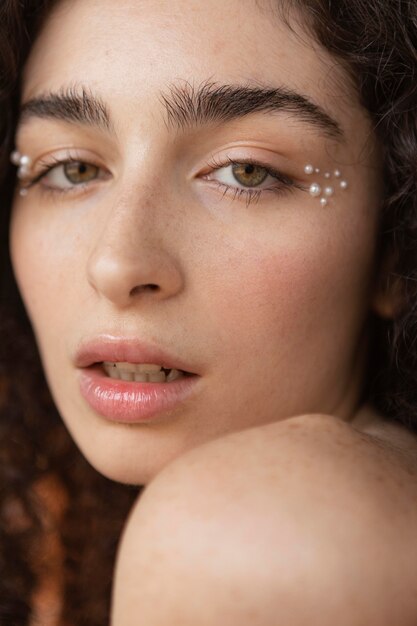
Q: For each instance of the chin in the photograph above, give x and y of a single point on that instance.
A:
(124, 473)
(117, 465)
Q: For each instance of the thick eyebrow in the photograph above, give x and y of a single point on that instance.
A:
(69, 105)
(187, 106)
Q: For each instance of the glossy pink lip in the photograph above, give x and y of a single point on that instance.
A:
(130, 350)
(130, 402)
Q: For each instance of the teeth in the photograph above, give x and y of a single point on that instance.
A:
(112, 372)
(124, 375)
(134, 367)
(140, 373)
(157, 377)
(173, 375)
(141, 378)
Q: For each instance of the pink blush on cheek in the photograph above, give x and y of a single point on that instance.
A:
(287, 282)
(294, 290)
(275, 289)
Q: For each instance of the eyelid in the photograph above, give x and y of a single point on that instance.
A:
(271, 159)
(276, 173)
(40, 157)
(45, 164)
(283, 174)
(282, 184)
(64, 156)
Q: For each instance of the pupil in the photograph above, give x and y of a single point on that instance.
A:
(249, 174)
(78, 172)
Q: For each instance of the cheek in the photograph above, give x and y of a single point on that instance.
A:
(40, 261)
(294, 291)
(269, 299)
(27, 254)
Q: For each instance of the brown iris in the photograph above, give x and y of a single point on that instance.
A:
(78, 172)
(248, 174)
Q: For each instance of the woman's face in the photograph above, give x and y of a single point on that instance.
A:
(181, 231)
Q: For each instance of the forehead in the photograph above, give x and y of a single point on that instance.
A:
(163, 38)
(131, 50)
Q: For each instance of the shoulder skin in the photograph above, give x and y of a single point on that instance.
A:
(304, 522)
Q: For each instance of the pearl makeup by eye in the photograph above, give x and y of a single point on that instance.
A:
(67, 171)
(24, 163)
(326, 191)
(323, 191)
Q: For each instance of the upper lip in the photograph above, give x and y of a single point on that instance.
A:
(124, 349)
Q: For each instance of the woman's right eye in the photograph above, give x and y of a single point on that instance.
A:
(68, 175)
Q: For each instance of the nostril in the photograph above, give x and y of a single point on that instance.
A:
(141, 288)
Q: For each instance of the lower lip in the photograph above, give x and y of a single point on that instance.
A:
(132, 402)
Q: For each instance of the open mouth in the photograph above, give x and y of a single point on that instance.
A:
(141, 372)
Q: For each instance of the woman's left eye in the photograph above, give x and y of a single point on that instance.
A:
(67, 175)
(248, 179)
(246, 174)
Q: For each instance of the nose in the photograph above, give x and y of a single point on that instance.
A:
(134, 255)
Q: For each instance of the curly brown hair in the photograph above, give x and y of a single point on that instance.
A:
(376, 40)
(34, 443)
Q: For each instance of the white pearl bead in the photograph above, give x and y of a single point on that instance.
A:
(337, 173)
(22, 172)
(317, 170)
(15, 157)
(343, 184)
(327, 175)
(315, 189)
(25, 160)
(309, 169)
(323, 201)
(328, 191)
(23, 192)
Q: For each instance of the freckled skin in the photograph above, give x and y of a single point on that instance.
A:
(300, 522)
(268, 302)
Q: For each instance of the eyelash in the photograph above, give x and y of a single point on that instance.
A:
(51, 164)
(251, 195)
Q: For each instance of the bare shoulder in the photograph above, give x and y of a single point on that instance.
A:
(244, 524)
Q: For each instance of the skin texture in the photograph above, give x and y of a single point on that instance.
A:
(267, 302)
(302, 522)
